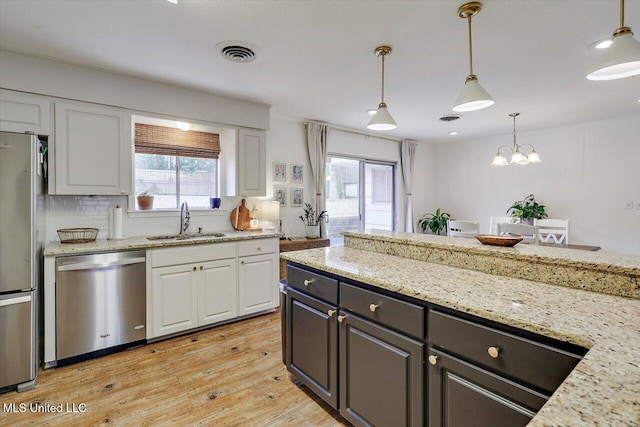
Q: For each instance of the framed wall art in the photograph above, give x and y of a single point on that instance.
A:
(280, 195)
(297, 197)
(297, 175)
(279, 172)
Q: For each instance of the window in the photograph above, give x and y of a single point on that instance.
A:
(176, 166)
(360, 194)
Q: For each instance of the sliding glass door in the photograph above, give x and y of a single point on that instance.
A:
(360, 193)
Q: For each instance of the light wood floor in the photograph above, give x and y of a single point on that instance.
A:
(225, 376)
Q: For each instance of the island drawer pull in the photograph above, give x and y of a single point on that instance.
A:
(373, 307)
(308, 282)
(494, 351)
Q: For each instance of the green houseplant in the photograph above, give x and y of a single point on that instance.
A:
(311, 220)
(436, 222)
(527, 209)
(145, 201)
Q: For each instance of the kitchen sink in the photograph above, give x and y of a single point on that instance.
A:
(185, 236)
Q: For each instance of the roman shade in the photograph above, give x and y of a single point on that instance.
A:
(151, 139)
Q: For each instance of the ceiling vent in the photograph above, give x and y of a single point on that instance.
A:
(450, 117)
(237, 51)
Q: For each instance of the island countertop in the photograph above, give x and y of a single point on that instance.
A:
(603, 389)
(142, 242)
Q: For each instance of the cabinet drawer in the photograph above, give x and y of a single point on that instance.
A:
(311, 283)
(191, 253)
(257, 247)
(397, 314)
(534, 363)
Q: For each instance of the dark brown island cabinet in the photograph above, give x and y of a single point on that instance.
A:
(365, 351)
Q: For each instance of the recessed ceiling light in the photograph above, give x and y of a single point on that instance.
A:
(371, 111)
(173, 1)
(453, 132)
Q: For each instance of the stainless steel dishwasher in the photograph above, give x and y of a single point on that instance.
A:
(100, 301)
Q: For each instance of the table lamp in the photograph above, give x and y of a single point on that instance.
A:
(271, 212)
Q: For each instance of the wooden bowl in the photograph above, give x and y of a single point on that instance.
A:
(507, 241)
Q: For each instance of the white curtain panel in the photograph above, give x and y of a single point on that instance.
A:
(317, 147)
(407, 156)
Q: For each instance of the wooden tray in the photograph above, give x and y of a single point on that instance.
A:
(509, 241)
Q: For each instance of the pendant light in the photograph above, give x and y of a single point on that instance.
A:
(382, 120)
(518, 154)
(473, 96)
(622, 58)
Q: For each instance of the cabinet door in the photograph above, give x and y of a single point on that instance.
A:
(312, 344)
(252, 162)
(258, 283)
(217, 291)
(381, 375)
(174, 299)
(93, 150)
(21, 113)
(461, 395)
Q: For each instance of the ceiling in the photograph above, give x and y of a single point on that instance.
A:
(315, 59)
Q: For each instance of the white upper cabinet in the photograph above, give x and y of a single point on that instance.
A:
(22, 112)
(252, 163)
(93, 150)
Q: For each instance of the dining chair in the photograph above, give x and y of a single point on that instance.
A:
(462, 228)
(528, 232)
(495, 220)
(553, 230)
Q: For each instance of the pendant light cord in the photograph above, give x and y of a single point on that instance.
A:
(515, 146)
(470, 48)
(621, 13)
(382, 99)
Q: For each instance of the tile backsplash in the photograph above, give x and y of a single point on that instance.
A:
(92, 211)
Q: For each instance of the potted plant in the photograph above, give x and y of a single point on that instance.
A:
(311, 221)
(436, 222)
(145, 201)
(527, 210)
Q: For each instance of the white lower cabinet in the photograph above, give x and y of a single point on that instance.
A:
(258, 275)
(175, 299)
(217, 297)
(198, 285)
(258, 288)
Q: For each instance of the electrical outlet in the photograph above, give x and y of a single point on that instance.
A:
(628, 205)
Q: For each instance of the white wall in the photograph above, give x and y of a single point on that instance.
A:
(587, 173)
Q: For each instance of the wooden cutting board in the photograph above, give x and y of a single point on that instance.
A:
(241, 217)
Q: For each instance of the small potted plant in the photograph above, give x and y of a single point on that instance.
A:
(436, 222)
(311, 221)
(527, 210)
(145, 201)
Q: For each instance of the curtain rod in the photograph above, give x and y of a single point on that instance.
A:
(355, 132)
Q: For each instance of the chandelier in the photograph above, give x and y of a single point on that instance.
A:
(518, 153)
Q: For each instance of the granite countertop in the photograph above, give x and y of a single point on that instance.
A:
(603, 389)
(141, 242)
(604, 272)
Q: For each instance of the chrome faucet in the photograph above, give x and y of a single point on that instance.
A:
(184, 217)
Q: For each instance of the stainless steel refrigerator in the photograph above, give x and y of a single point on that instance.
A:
(21, 199)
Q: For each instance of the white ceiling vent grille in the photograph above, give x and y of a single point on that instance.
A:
(237, 51)
(450, 117)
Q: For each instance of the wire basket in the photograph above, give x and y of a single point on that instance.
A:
(77, 235)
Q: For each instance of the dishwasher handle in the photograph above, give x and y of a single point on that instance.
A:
(93, 265)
